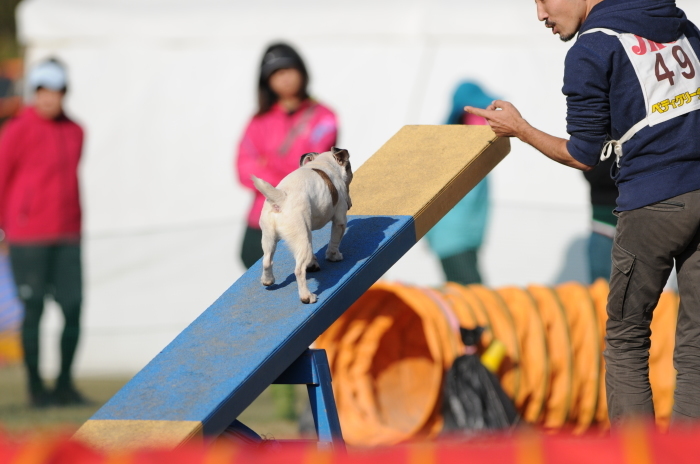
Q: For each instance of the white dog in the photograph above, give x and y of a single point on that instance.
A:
(305, 200)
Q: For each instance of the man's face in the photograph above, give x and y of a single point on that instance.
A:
(564, 17)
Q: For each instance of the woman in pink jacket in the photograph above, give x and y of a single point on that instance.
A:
(288, 124)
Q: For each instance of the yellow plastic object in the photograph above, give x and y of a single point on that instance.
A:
(599, 293)
(393, 347)
(10, 347)
(561, 361)
(583, 326)
(662, 375)
(510, 372)
(534, 355)
(493, 356)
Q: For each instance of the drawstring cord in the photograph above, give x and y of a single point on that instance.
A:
(610, 147)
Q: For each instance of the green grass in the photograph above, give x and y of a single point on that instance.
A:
(16, 417)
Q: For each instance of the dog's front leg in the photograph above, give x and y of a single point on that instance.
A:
(337, 230)
(269, 245)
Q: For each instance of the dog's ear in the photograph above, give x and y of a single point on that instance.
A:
(341, 155)
(348, 170)
(307, 158)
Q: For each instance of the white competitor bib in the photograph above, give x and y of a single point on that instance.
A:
(669, 75)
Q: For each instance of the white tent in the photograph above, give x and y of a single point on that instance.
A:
(165, 87)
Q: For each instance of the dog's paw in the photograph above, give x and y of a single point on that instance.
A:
(311, 298)
(313, 267)
(334, 256)
(267, 282)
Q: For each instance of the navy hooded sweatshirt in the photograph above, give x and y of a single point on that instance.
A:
(605, 99)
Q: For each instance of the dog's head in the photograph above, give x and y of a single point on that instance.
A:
(340, 155)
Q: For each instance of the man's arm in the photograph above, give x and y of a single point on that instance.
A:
(506, 121)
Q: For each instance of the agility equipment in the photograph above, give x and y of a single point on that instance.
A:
(200, 383)
(561, 359)
(531, 338)
(553, 338)
(585, 340)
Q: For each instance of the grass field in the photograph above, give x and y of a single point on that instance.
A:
(16, 417)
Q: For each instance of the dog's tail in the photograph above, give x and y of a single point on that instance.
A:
(273, 195)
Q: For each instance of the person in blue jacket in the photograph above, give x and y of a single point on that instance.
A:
(632, 83)
(456, 239)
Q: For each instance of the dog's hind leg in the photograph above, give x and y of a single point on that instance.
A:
(313, 267)
(337, 230)
(304, 256)
(269, 245)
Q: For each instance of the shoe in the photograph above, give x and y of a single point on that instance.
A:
(40, 398)
(69, 396)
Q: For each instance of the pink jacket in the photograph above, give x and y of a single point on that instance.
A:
(39, 197)
(273, 143)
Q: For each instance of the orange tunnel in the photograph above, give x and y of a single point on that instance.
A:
(389, 353)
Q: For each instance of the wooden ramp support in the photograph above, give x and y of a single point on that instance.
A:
(200, 383)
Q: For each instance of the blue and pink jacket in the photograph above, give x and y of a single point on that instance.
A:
(273, 143)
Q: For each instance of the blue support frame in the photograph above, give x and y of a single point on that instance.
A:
(312, 369)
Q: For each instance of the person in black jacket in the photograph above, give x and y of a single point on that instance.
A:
(603, 221)
(631, 81)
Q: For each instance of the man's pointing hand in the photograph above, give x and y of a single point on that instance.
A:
(503, 117)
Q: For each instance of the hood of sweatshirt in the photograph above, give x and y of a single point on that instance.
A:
(467, 94)
(657, 20)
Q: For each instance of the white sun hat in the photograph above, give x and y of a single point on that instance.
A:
(49, 74)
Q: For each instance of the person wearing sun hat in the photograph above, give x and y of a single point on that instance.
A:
(456, 239)
(41, 219)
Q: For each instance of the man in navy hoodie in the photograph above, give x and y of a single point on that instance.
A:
(632, 82)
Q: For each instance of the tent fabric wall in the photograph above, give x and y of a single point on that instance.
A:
(164, 89)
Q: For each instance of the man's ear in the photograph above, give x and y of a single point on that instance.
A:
(341, 155)
(307, 158)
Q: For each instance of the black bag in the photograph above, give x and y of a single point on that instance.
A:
(473, 398)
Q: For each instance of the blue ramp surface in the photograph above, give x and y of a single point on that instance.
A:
(217, 366)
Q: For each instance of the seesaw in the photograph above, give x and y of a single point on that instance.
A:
(253, 336)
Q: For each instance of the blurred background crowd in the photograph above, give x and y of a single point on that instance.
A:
(181, 101)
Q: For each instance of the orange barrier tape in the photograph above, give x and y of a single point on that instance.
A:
(633, 444)
(10, 347)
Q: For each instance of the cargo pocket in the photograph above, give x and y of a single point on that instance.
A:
(623, 265)
(667, 206)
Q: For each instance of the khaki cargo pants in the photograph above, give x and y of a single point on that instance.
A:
(647, 242)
